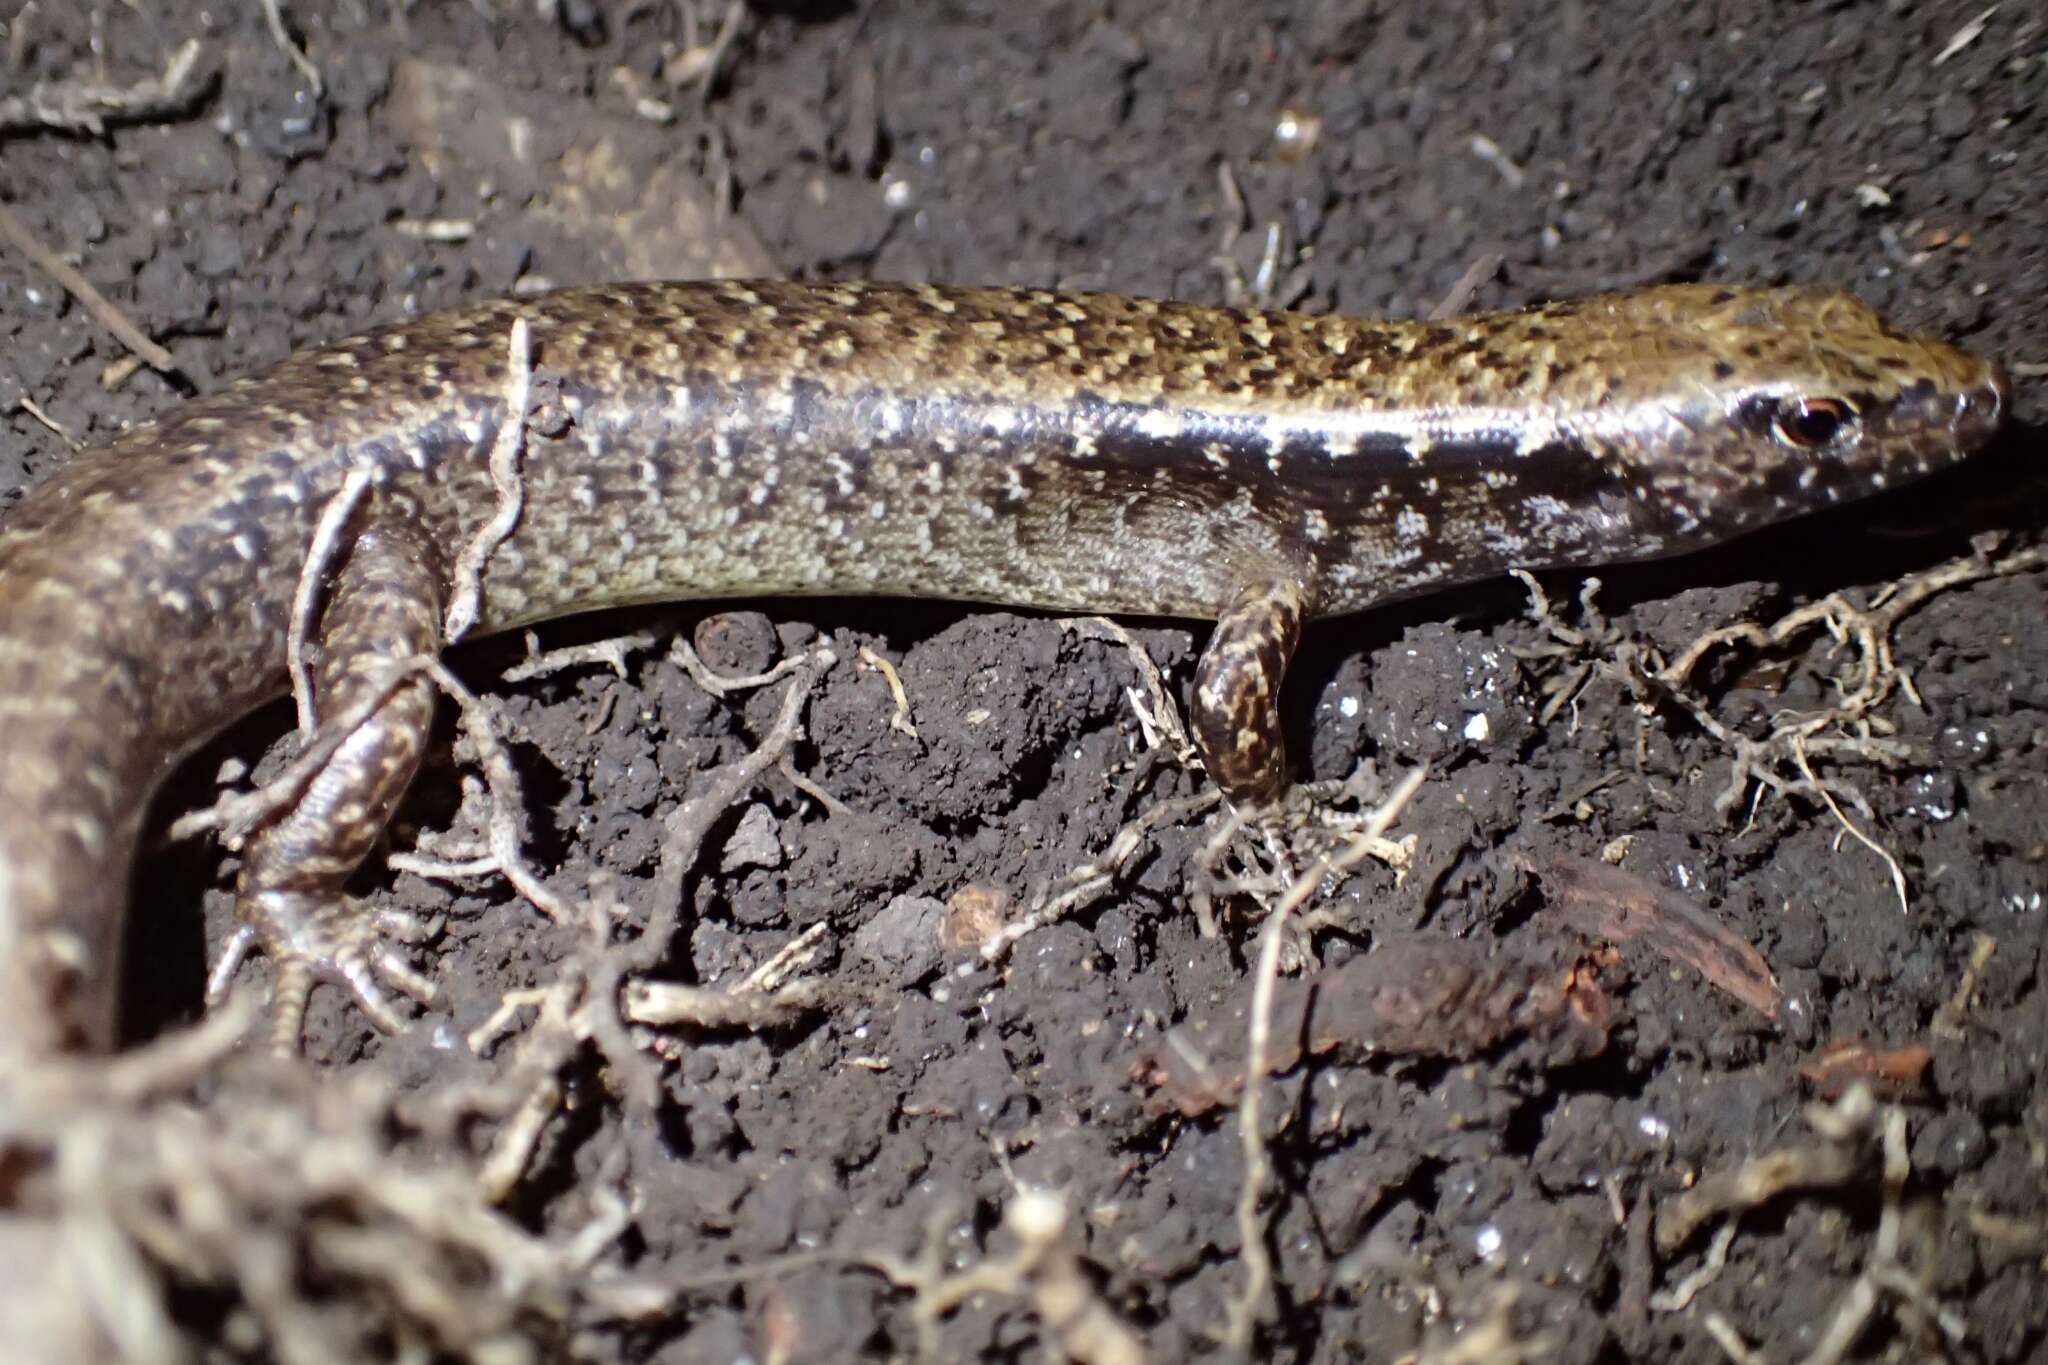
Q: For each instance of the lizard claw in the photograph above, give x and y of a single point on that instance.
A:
(315, 939)
(1259, 848)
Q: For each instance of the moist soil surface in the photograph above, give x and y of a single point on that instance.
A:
(1614, 967)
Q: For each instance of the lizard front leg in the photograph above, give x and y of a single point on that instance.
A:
(1235, 716)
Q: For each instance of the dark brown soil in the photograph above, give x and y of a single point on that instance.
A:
(1863, 145)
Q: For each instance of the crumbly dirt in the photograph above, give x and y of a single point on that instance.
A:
(1497, 1185)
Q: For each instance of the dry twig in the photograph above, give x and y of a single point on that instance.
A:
(288, 1190)
(465, 602)
(1044, 1267)
(80, 288)
(1852, 1132)
(1781, 760)
(273, 14)
(900, 722)
(320, 557)
(1244, 1309)
(79, 106)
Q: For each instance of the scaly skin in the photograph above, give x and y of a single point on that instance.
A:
(1067, 452)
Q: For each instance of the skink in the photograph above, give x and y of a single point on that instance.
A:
(1070, 452)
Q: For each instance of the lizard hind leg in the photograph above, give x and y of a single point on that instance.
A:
(384, 609)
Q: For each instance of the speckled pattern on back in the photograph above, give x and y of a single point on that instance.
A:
(1025, 447)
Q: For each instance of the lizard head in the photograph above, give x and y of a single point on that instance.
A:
(1740, 407)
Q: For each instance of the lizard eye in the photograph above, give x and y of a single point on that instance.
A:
(1811, 423)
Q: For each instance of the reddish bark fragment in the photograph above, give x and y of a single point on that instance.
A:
(1605, 902)
(1413, 995)
(1894, 1073)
